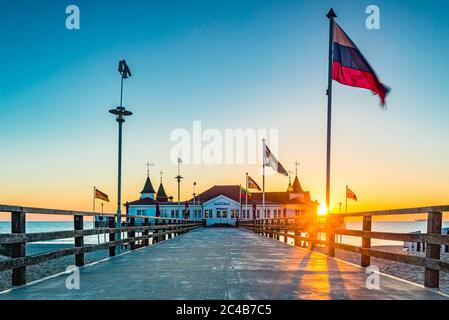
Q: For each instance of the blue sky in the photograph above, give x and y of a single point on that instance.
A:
(230, 64)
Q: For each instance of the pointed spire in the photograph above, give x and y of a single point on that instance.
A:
(148, 187)
(297, 186)
(161, 194)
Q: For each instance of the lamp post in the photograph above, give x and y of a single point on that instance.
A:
(194, 194)
(179, 178)
(120, 112)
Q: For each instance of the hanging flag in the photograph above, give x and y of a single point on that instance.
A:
(252, 184)
(349, 66)
(270, 160)
(101, 195)
(350, 194)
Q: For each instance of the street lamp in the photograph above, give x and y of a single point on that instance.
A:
(120, 112)
(194, 194)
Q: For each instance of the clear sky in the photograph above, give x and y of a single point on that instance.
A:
(230, 64)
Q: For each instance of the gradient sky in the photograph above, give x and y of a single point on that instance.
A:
(230, 64)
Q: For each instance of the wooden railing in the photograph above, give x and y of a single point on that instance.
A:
(155, 228)
(305, 235)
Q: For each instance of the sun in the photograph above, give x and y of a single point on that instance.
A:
(322, 210)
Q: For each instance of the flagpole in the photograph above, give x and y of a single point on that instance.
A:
(263, 179)
(246, 196)
(240, 199)
(93, 206)
(331, 15)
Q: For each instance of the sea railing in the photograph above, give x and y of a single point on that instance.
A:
(155, 228)
(307, 234)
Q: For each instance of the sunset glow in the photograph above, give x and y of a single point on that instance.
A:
(322, 210)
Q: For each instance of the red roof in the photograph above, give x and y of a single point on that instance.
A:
(233, 193)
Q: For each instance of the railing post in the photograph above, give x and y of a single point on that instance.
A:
(79, 241)
(155, 232)
(433, 251)
(285, 230)
(297, 242)
(365, 260)
(169, 235)
(146, 223)
(111, 224)
(132, 234)
(18, 250)
(331, 236)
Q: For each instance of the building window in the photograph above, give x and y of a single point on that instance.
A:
(258, 213)
(173, 213)
(200, 214)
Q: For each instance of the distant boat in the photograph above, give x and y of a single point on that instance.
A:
(420, 220)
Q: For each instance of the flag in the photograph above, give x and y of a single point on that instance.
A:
(350, 194)
(101, 195)
(252, 184)
(270, 160)
(243, 192)
(349, 66)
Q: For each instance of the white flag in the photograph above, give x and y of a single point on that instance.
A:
(270, 160)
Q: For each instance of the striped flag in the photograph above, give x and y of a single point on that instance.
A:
(270, 160)
(350, 194)
(101, 195)
(349, 66)
(252, 184)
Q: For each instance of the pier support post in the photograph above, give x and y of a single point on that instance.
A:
(132, 234)
(365, 260)
(285, 230)
(111, 224)
(79, 241)
(18, 250)
(433, 251)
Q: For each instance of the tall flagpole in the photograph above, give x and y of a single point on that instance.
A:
(93, 206)
(263, 179)
(246, 196)
(331, 15)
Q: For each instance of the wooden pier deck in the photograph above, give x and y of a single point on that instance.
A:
(221, 263)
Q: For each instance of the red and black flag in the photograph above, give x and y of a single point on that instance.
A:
(101, 195)
(350, 194)
(253, 184)
(349, 66)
